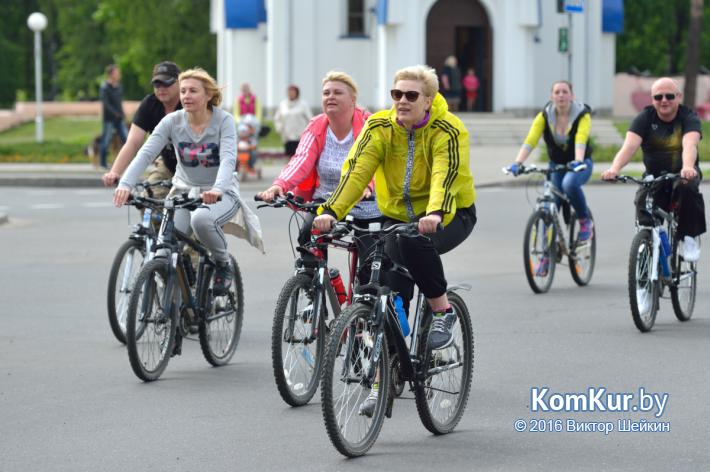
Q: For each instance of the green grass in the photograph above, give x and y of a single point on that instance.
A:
(65, 139)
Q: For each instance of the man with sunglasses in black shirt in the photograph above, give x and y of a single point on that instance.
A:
(164, 99)
(668, 134)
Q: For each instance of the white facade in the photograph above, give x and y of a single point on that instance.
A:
(303, 39)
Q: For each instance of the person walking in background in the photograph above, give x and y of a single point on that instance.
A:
(111, 96)
(470, 85)
(165, 99)
(247, 104)
(291, 118)
(451, 83)
(565, 125)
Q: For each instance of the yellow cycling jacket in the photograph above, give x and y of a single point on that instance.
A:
(440, 179)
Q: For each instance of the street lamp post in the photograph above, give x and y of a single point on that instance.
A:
(37, 22)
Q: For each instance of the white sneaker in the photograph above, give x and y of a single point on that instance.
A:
(691, 249)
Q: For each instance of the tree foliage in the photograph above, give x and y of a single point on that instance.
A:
(655, 37)
(84, 36)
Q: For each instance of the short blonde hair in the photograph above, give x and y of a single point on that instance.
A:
(336, 76)
(209, 83)
(421, 73)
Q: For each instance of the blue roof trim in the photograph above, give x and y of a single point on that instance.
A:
(613, 16)
(244, 14)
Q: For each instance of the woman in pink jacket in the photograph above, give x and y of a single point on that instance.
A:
(314, 171)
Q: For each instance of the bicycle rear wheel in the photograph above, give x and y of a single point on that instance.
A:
(222, 326)
(539, 251)
(684, 286)
(150, 328)
(443, 394)
(124, 270)
(643, 292)
(583, 255)
(344, 383)
(296, 343)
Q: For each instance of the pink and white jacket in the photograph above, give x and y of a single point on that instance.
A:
(301, 172)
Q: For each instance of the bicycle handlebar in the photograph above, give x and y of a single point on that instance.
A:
(533, 169)
(648, 180)
(289, 199)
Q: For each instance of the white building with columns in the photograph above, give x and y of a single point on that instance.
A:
(514, 46)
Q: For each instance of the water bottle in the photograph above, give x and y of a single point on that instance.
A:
(665, 248)
(146, 217)
(337, 282)
(401, 315)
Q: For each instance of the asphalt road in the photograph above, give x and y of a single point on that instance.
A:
(69, 400)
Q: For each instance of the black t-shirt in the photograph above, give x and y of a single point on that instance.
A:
(147, 117)
(662, 144)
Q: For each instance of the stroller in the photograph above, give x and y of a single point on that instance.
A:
(248, 133)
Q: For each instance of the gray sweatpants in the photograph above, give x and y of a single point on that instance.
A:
(207, 223)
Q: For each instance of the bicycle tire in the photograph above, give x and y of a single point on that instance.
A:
(582, 257)
(536, 248)
(432, 392)
(349, 345)
(152, 276)
(220, 337)
(117, 296)
(289, 331)
(684, 286)
(643, 293)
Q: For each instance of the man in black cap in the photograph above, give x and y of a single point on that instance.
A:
(164, 99)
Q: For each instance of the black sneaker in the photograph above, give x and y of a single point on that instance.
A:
(222, 279)
(440, 334)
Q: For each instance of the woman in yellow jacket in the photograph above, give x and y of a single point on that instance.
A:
(418, 153)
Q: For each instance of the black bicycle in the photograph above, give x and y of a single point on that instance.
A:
(171, 300)
(359, 347)
(649, 269)
(131, 256)
(547, 240)
(308, 299)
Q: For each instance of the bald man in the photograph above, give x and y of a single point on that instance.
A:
(668, 134)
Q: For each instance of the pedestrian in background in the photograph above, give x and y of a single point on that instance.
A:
(291, 118)
(111, 96)
(450, 86)
(470, 85)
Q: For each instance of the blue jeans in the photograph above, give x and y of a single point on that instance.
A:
(571, 184)
(106, 135)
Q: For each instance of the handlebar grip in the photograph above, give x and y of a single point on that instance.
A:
(257, 198)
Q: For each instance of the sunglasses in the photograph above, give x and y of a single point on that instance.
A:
(411, 95)
(669, 96)
(162, 84)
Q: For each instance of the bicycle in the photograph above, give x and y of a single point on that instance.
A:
(170, 299)
(358, 349)
(130, 258)
(302, 309)
(547, 240)
(649, 270)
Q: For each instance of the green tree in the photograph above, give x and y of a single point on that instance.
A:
(655, 37)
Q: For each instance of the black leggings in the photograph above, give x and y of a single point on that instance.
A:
(421, 256)
(689, 201)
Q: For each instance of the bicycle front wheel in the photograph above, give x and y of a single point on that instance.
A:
(296, 341)
(443, 394)
(684, 284)
(583, 255)
(643, 292)
(345, 383)
(150, 326)
(124, 270)
(222, 325)
(539, 251)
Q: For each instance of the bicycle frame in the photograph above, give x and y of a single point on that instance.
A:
(548, 204)
(658, 255)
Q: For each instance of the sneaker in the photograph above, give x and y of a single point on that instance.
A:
(586, 229)
(691, 249)
(441, 335)
(542, 267)
(222, 279)
(367, 407)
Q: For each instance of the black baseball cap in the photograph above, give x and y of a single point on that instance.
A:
(166, 72)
